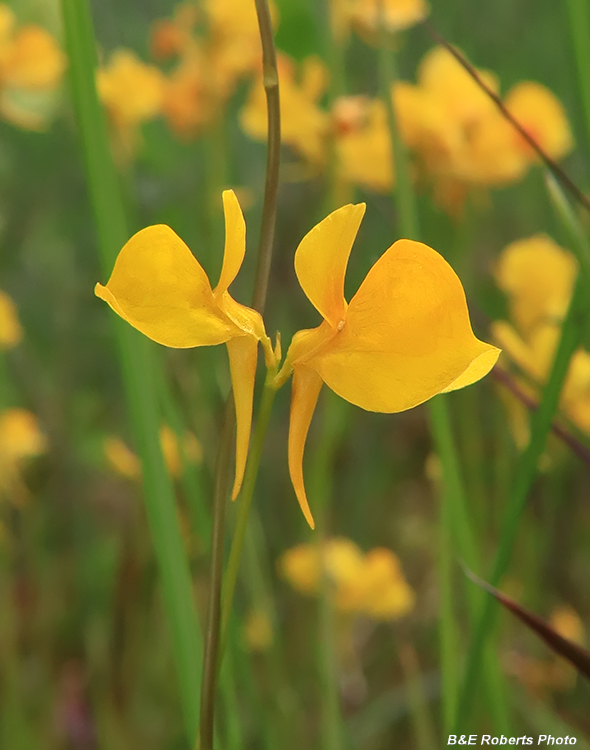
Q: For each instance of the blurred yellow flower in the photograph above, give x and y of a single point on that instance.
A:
(459, 137)
(362, 143)
(123, 460)
(172, 37)
(132, 92)
(31, 68)
(543, 117)
(404, 337)
(369, 584)
(11, 332)
(304, 125)
(186, 103)
(233, 43)
(368, 15)
(160, 288)
(20, 440)
(257, 631)
(538, 277)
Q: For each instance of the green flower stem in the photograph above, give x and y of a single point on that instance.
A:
(579, 15)
(210, 671)
(333, 418)
(244, 500)
(220, 613)
(273, 155)
(137, 365)
(455, 526)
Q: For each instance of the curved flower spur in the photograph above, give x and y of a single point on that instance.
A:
(404, 337)
(160, 288)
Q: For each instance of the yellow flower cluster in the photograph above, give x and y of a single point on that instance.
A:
(538, 277)
(458, 137)
(370, 584)
(205, 72)
(404, 337)
(31, 69)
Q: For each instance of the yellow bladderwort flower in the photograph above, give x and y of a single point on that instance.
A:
(362, 143)
(537, 275)
(370, 584)
(366, 16)
(31, 67)
(11, 333)
(538, 278)
(404, 337)
(20, 440)
(542, 115)
(124, 461)
(132, 92)
(160, 288)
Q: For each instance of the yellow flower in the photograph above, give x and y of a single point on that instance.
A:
(537, 275)
(159, 287)
(124, 462)
(121, 458)
(257, 631)
(543, 117)
(132, 93)
(186, 104)
(11, 332)
(20, 440)
(372, 585)
(404, 337)
(31, 68)
(170, 38)
(366, 15)
(363, 146)
(304, 125)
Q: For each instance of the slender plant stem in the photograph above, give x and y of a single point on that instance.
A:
(220, 613)
(333, 416)
(454, 514)
(273, 155)
(210, 672)
(137, 364)
(540, 425)
(579, 15)
(245, 501)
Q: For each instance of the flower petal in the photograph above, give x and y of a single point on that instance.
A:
(243, 352)
(235, 241)
(304, 395)
(407, 334)
(322, 257)
(160, 288)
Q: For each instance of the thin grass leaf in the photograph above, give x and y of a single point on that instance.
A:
(135, 352)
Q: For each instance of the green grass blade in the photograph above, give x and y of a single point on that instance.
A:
(137, 364)
(526, 471)
(579, 15)
(455, 525)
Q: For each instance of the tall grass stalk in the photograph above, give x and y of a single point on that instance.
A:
(571, 335)
(579, 16)
(455, 526)
(137, 364)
